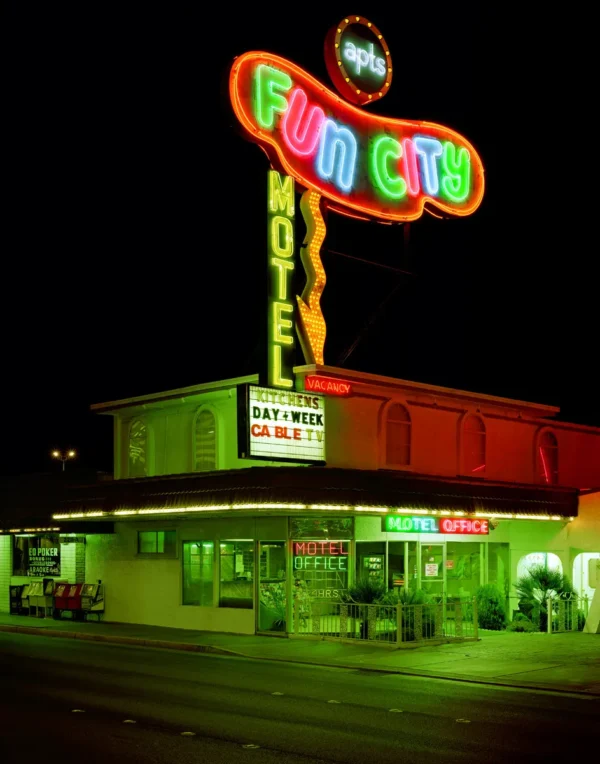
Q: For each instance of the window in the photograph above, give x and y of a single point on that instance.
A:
(548, 458)
(398, 435)
(236, 574)
(198, 563)
(205, 442)
(474, 445)
(138, 449)
(157, 542)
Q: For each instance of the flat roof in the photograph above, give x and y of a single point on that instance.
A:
(346, 374)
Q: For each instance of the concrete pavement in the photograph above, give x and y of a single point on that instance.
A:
(567, 662)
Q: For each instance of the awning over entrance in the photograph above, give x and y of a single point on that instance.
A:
(316, 487)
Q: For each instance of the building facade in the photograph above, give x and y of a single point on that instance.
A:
(419, 487)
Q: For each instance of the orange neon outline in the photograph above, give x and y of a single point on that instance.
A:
(334, 60)
(374, 211)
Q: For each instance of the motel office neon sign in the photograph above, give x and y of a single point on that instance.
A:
(320, 555)
(447, 525)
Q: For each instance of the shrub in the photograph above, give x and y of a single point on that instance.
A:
(405, 597)
(366, 591)
(535, 587)
(491, 608)
(521, 623)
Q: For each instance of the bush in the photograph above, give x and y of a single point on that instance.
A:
(405, 597)
(491, 608)
(366, 591)
(521, 623)
(534, 589)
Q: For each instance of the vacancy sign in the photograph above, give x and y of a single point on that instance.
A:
(285, 425)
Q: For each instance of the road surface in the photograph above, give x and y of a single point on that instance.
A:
(74, 701)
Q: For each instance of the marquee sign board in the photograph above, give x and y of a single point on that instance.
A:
(281, 425)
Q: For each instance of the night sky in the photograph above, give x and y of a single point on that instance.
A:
(133, 243)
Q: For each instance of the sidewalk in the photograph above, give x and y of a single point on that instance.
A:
(560, 662)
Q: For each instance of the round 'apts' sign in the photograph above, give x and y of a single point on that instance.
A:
(358, 60)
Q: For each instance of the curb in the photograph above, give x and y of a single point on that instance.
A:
(211, 649)
(117, 640)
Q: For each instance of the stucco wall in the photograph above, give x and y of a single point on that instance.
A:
(139, 589)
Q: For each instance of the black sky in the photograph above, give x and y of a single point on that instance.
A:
(133, 235)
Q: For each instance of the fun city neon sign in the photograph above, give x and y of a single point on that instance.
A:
(345, 159)
(376, 167)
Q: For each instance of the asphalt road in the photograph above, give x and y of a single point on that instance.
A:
(69, 701)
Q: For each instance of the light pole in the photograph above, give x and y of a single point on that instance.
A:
(64, 456)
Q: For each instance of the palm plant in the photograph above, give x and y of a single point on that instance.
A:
(535, 587)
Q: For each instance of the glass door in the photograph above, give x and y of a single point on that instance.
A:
(271, 580)
(433, 570)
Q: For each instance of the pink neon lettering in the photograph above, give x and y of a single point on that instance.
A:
(300, 129)
(311, 548)
(411, 168)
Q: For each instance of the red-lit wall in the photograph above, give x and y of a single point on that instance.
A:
(356, 434)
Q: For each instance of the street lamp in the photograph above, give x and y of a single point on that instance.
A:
(64, 456)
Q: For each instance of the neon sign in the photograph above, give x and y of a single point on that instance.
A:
(463, 526)
(358, 60)
(320, 555)
(327, 385)
(280, 253)
(376, 167)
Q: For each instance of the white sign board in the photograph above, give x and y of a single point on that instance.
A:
(431, 569)
(285, 424)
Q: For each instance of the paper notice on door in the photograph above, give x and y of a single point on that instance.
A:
(431, 569)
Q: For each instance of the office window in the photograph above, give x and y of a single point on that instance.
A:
(138, 449)
(157, 542)
(474, 445)
(398, 433)
(198, 564)
(547, 457)
(236, 574)
(205, 442)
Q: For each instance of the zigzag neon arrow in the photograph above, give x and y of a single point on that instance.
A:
(312, 328)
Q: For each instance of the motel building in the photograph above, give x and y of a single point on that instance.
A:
(236, 503)
(419, 486)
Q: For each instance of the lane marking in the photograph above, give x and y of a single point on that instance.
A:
(77, 711)
(188, 734)
(276, 693)
(334, 701)
(129, 721)
(463, 721)
(396, 711)
(250, 745)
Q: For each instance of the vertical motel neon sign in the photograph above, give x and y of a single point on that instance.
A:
(281, 264)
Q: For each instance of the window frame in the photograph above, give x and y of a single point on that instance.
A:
(214, 571)
(201, 410)
(463, 444)
(539, 460)
(408, 423)
(171, 555)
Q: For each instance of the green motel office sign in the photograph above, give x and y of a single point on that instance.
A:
(446, 525)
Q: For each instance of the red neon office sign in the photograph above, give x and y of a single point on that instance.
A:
(327, 385)
(361, 163)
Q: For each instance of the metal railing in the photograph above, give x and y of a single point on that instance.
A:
(567, 612)
(387, 624)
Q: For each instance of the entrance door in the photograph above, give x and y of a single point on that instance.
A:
(433, 569)
(271, 581)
